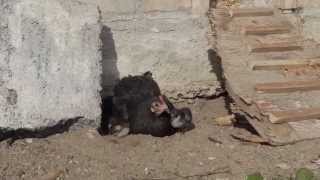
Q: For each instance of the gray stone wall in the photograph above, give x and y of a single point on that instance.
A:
(50, 62)
(167, 37)
(56, 55)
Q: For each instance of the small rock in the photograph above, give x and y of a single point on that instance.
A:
(155, 30)
(201, 163)
(225, 121)
(90, 135)
(29, 140)
(146, 171)
(86, 170)
(211, 158)
(190, 101)
(53, 175)
(283, 166)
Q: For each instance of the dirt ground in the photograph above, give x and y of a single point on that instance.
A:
(86, 155)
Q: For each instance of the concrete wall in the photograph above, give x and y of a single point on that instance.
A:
(50, 52)
(167, 37)
(50, 62)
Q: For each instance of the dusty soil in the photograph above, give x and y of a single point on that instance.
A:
(86, 155)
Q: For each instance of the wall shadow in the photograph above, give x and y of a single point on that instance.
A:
(42, 132)
(109, 77)
(110, 72)
(215, 62)
(217, 69)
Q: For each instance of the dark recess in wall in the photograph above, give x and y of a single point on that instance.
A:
(110, 75)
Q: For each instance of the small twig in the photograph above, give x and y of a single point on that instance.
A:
(214, 140)
(221, 170)
(166, 178)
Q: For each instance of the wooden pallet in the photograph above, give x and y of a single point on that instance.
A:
(282, 108)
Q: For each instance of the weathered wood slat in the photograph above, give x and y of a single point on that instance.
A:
(293, 115)
(270, 65)
(244, 12)
(264, 30)
(275, 47)
(285, 87)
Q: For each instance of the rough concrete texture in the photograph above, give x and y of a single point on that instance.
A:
(311, 19)
(172, 45)
(166, 5)
(49, 62)
(166, 37)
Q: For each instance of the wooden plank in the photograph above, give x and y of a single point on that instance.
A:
(271, 65)
(274, 47)
(285, 87)
(265, 30)
(294, 115)
(244, 12)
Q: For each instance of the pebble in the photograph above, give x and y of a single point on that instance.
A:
(90, 135)
(211, 158)
(146, 171)
(190, 101)
(155, 30)
(283, 166)
(29, 140)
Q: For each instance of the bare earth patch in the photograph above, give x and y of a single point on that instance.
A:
(86, 155)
